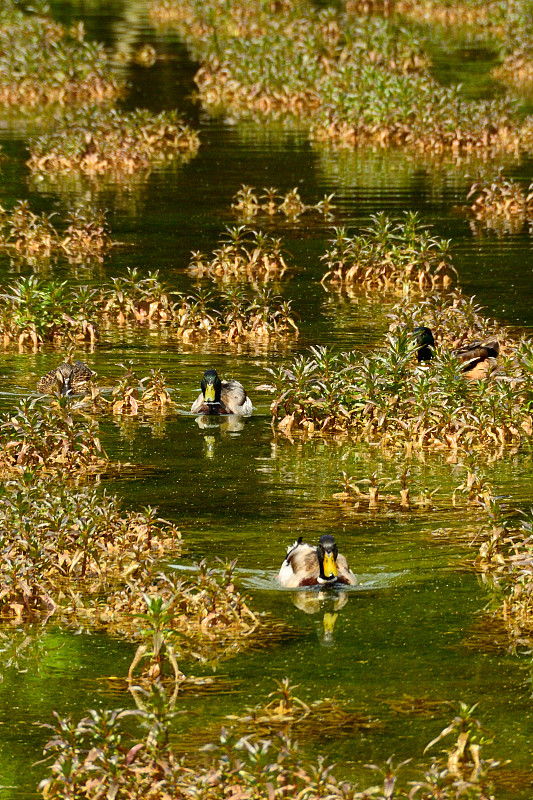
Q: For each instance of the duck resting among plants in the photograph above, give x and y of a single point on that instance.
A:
(478, 359)
(322, 565)
(66, 379)
(221, 397)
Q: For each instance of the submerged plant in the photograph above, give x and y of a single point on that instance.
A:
(47, 437)
(100, 752)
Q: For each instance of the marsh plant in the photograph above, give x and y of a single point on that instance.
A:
(47, 437)
(243, 253)
(34, 311)
(26, 234)
(354, 79)
(397, 256)
(248, 203)
(501, 205)
(101, 754)
(386, 396)
(504, 558)
(235, 315)
(134, 297)
(61, 543)
(100, 141)
(41, 62)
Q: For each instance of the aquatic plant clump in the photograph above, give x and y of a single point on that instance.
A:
(370, 104)
(99, 755)
(501, 205)
(235, 316)
(47, 437)
(33, 311)
(504, 558)
(206, 617)
(355, 80)
(256, 60)
(40, 62)
(59, 542)
(243, 253)
(108, 140)
(396, 256)
(27, 234)
(385, 397)
(249, 204)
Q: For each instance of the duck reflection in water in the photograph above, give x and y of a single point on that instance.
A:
(322, 567)
(326, 603)
(224, 425)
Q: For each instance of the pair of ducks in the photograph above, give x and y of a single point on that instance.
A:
(216, 397)
(478, 359)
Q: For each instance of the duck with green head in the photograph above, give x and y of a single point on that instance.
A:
(478, 359)
(221, 397)
(322, 565)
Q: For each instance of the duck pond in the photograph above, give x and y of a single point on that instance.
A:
(427, 660)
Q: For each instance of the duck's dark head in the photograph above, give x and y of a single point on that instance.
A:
(327, 552)
(425, 343)
(211, 386)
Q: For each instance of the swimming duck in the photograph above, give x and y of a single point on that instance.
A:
(66, 379)
(221, 397)
(322, 565)
(478, 359)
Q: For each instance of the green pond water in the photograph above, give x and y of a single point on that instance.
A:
(412, 626)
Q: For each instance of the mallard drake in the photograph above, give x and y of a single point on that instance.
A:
(66, 379)
(478, 359)
(322, 565)
(221, 397)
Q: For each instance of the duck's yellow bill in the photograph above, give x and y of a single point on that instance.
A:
(330, 565)
(209, 393)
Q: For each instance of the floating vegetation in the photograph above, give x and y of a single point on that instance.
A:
(33, 311)
(396, 256)
(243, 253)
(411, 706)
(47, 437)
(136, 298)
(204, 618)
(41, 62)
(24, 233)
(385, 397)
(501, 205)
(100, 141)
(101, 754)
(466, 12)
(378, 495)
(235, 316)
(59, 542)
(355, 80)
(132, 395)
(249, 204)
